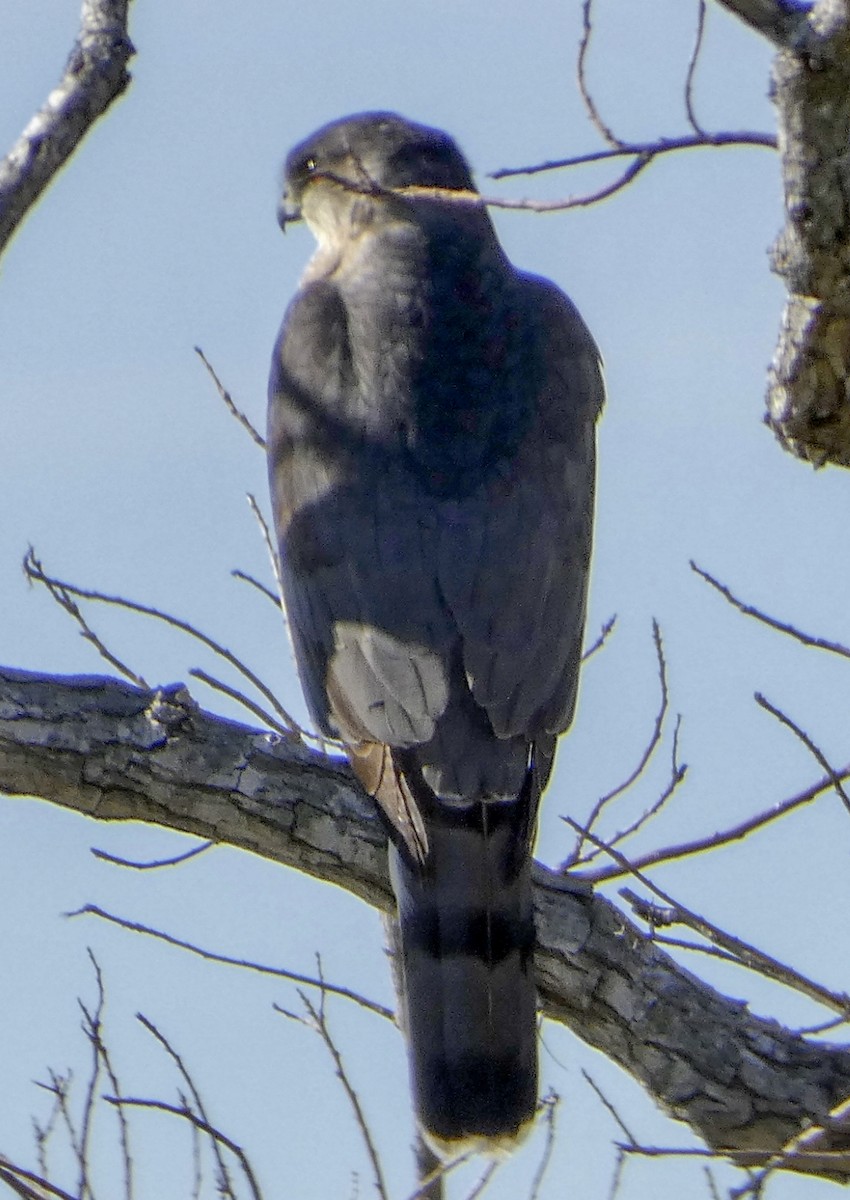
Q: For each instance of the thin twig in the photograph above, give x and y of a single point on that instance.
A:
(62, 593)
(257, 710)
(617, 1176)
(814, 750)
(271, 549)
(154, 864)
(678, 771)
(678, 1151)
(643, 909)
(649, 750)
(60, 1087)
(723, 838)
(256, 583)
(442, 1169)
(225, 1184)
(243, 420)
(824, 1027)
(43, 1134)
(607, 1104)
(211, 956)
(604, 632)
(187, 1114)
(488, 1173)
(581, 76)
(650, 150)
(549, 1108)
(91, 1028)
(711, 1184)
(691, 72)
(318, 1022)
(749, 611)
(35, 571)
(10, 1174)
(94, 1031)
(748, 956)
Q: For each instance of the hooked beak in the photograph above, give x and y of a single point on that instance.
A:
(287, 211)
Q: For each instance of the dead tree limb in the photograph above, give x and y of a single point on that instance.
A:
(95, 75)
(102, 747)
(808, 397)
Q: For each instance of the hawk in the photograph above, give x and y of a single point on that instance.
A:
(431, 460)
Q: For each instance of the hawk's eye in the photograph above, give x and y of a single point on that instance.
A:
(310, 165)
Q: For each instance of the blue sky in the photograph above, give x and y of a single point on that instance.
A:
(123, 469)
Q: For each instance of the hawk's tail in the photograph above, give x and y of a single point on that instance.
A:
(467, 942)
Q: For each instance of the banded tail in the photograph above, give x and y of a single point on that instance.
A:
(467, 940)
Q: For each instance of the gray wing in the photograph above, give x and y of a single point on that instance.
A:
(370, 630)
(514, 560)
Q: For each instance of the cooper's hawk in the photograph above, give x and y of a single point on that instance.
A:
(431, 455)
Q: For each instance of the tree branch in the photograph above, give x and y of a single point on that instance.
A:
(95, 75)
(807, 401)
(781, 21)
(117, 752)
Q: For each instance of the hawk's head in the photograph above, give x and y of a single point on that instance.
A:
(338, 172)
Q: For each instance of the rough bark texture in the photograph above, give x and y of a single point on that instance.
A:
(114, 752)
(95, 75)
(808, 400)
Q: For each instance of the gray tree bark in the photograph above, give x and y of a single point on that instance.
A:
(95, 75)
(808, 397)
(114, 752)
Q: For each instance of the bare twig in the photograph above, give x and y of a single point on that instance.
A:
(691, 72)
(60, 1086)
(549, 1109)
(255, 583)
(814, 750)
(35, 571)
(225, 1184)
(783, 627)
(487, 1174)
(318, 1022)
(712, 841)
(747, 955)
(43, 1133)
(95, 75)
(28, 1185)
(711, 1184)
(581, 76)
(93, 1029)
(607, 1104)
(187, 1114)
(154, 864)
(211, 956)
(218, 685)
(271, 549)
(645, 150)
(62, 594)
(649, 749)
(240, 416)
(672, 1151)
(657, 919)
(678, 771)
(604, 633)
(620, 1165)
(812, 1140)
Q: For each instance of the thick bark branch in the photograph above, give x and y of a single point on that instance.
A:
(782, 21)
(96, 74)
(808, 394)
(114, 752)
